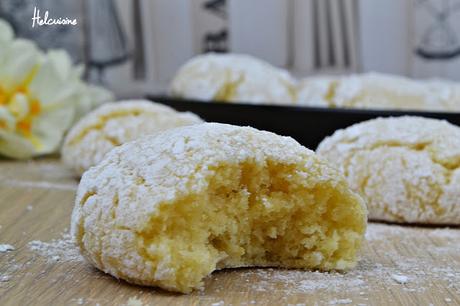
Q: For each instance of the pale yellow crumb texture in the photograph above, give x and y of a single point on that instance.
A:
(169, 209)
(113, 124)
(406, 168)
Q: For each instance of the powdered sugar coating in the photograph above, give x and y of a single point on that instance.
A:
(113, 124)
(315, 91)
(448, 93)
(379, 91)
(407, 168)
(374, 90)
(116, 199)
(235, 78)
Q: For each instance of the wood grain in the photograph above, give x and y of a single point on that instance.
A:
(36, 199)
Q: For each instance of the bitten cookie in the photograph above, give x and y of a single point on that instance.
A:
(113, 124)
(406, 168)
(169, 209)
(233, 78)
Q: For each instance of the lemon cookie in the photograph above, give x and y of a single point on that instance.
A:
(113, 124)
(233, 78)
(169, 209)
(448, 93)
(316, 91)
(378, 91)
(406, 168)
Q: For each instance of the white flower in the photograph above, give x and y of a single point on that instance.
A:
(6, 32)
(41, 95)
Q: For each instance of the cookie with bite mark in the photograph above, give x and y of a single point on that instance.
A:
(169, 209)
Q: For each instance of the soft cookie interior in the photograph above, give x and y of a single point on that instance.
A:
(253, 214)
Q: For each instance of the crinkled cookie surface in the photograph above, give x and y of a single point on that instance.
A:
(113, 124)
(379, 91)
(406, 168)
(168, 209)
(233, 78)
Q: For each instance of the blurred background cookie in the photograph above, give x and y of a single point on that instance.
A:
(233, 78)
(379, 91)
(113, 124)
(316, 91)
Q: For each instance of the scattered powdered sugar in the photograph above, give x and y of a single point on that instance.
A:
(304, 281)
(134, 301)
(38, 185)
(6, 247)
(340, 301)
(62, 249)
(445, 233)
(394, 266)
(423, 259)
(401, 279)
(381, 231)
(5, 278)
(10, 269)
(376, 231)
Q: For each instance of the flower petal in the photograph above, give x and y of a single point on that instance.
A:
(7, 120)
(14, 146)
(18, 63)
(50, 128)
(6, 32)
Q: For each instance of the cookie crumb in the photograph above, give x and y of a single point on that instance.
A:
(134, 301)
(6, 247)
(340, 302)
(5, 278)
(401, 279)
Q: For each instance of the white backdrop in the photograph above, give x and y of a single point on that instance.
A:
(307, 37)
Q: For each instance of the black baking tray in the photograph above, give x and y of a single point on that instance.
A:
(308, 125)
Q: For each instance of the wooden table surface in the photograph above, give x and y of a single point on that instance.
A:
(399, 265)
